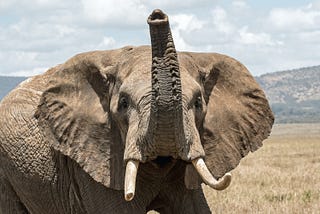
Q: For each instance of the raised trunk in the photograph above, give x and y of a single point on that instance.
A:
(166, 104)
(166, 117)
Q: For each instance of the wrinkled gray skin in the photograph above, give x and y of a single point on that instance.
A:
(66, 135)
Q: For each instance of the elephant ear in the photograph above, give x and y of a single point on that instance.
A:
(75, 116)
(238, 115)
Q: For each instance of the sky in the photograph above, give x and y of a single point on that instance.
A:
(266, 36)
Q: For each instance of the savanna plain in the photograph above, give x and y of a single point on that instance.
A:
(281, 177)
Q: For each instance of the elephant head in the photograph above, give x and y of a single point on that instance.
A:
(109, 113)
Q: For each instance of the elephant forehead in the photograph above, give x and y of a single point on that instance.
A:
(137, 85)
(134, 64)
(139, 75)
(134, 85)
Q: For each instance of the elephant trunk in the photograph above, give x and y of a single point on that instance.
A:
(166, 104)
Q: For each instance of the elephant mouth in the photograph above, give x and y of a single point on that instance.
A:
(163, 161)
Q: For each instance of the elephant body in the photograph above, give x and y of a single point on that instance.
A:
(100, 133)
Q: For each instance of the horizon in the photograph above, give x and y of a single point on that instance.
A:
(266, 37)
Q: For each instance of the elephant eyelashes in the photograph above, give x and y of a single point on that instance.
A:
(123, 104)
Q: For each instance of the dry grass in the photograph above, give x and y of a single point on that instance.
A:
(281, 177)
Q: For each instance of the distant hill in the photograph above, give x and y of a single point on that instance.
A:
(8, 83)
(294, 94)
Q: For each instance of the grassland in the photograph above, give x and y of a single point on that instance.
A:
(281, 177)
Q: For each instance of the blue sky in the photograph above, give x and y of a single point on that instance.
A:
(266, 36)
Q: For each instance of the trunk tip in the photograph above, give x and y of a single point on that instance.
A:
(157, 17)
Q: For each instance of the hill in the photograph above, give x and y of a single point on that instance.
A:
(8, 83)
(294, 95)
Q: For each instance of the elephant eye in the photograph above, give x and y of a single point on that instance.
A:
(198, 103)
(123, 103)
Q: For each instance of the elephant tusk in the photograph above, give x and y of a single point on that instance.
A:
(207, 177)
(130, 179)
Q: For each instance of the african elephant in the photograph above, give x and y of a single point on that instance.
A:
(100, 133)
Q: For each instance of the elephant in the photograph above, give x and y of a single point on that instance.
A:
(129, 130)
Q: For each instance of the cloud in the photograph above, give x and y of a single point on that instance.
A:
(48, 37)
(183, 24)
(221, 21)
(106, 43)
(239, 4)
(115, 12)
(177, 6)
(186, 22)
(38, 7)
(315, 5)
(19, 63)
(249, 38)
(203, 34)
(287, 19)
(295, 35)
